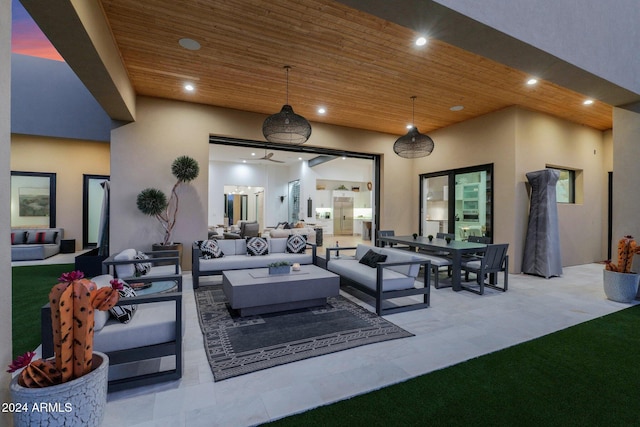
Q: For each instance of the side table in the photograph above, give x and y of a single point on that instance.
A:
(67, 246)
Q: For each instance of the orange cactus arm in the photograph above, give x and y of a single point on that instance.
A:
(104, 298)
(82, 329)
(610, 266)
(40, 373)
(61, 301)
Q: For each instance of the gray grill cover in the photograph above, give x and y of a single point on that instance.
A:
(542, 245)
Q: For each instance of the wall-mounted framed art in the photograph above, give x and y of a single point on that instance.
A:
(33, 199)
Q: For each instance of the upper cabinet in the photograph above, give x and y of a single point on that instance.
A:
(323, 199)
(362, 199)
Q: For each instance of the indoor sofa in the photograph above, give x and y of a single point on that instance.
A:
(35, 243)
(235, 257)
(285, 232)
(384, 279)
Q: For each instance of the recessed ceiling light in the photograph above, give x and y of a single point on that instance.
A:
(421, 41)
(253, 154)
(531, 82)
(409, 126)
(299, 158)
(457, 108)
(344, 157)
(244, 161)
(322, 110)
(189, 44)
(189, 87)
(588, 102)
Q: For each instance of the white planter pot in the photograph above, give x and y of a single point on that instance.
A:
(80, 402)
(620, 287)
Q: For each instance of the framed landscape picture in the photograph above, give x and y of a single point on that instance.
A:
(33, 199)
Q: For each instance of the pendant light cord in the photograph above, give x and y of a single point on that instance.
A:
(413, 111)
(287, 67)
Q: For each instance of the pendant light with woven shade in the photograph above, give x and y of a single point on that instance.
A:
(286, 127)
(413, 144)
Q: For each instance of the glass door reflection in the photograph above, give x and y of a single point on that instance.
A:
(435, 205)
(472, 204)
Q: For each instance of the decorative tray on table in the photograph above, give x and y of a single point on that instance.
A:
(138, 286)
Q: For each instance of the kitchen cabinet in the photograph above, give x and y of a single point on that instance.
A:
(343, 193)
(323, 199)
(362, 199)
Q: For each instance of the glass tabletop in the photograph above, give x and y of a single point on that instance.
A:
(156, 287)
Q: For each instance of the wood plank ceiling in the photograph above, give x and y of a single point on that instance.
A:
(362, 69)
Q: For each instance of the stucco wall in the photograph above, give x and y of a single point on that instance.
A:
(545, 140)
(518, 141)
(486, 139)
(69, 159)
(626, 174)
(166, 129)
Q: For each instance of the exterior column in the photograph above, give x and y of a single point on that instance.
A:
(5, 192)
(626, 174)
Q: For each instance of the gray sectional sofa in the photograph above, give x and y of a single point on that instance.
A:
(35, 243)
(392, 278)
(236, 257)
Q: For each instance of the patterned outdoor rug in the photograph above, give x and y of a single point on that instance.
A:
(238, 345)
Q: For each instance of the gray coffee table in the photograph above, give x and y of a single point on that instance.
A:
(254, 291)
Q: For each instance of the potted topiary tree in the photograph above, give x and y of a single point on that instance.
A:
(73, 385)
(620, 283)
(154, 202)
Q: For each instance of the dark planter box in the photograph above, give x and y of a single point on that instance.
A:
(90, 263)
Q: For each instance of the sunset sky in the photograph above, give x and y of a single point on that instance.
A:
(26, 37)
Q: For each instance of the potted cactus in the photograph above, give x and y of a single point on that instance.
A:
(72, 386)
(620, 283)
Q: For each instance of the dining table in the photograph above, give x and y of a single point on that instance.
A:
(455, 248)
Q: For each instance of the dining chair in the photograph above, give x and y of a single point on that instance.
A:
(480, 239)
(476, 239)
(493, 261)
(389, 233)
(441, 258)
(436, 263)
(452, 236)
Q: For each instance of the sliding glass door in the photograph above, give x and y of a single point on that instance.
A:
(457, 201)
(435, 200)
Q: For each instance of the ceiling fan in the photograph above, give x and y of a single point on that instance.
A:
(267, 156)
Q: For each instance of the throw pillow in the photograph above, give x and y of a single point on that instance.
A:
(124, 313)
(257, 246)
(372, 258)
(210, 249)
(42, 237)
(296, 244)
(142, 268)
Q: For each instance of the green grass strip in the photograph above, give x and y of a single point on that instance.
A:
(30, 291)
(586, 375)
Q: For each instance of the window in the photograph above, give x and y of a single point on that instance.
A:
(566, 185)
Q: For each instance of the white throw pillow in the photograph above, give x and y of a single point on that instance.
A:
(125, 270)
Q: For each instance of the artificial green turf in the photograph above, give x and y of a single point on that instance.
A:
(586, 375)
(30, 291)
